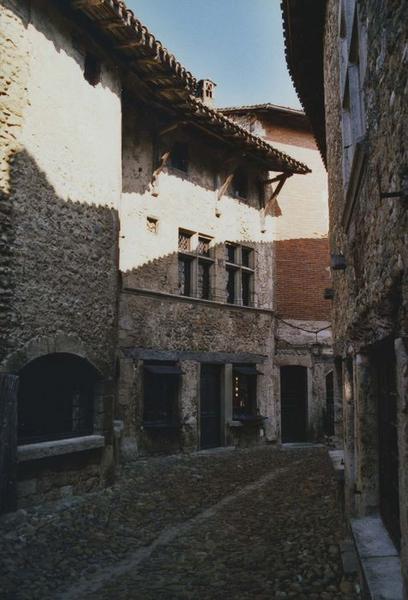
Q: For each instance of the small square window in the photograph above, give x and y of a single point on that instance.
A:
(152, 224)
(92, 69)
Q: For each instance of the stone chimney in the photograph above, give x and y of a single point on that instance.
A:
(205, 91)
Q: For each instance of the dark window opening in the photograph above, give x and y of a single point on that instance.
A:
(204, 279)
(185, 279)
(246, 259)
(246, 288)
(240, 184)
(230, 250)
(244, 391)
(231, 275)
(260, 187)
(92, 69)
(56, 398)
(179, 156)
(329, 425)
(160, 385)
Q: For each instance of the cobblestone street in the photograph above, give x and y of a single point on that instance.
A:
(259, 523)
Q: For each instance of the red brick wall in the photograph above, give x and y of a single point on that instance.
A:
(302, 276)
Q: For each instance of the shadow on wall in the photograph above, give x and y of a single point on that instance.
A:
(236, 272)
(302, 274)
(61, 266)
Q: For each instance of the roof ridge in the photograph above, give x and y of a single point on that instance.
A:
(299, 111)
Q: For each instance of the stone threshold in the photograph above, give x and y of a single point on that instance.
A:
(378, 557)
(192, 300)
(58, 447)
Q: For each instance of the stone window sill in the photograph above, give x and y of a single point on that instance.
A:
(58, 447)
(379, 559)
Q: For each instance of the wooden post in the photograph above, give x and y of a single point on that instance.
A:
(8, 441)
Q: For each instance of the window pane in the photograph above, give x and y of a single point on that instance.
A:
(246, 288)
(204, 279)
(231, 274)
(184, 240)
(230, 252)
(203, 246)
(247, 257)
(184, 276)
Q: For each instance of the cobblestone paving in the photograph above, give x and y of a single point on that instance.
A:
(241, 524)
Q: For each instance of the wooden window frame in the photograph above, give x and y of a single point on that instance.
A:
(239, 268)
(194, 257)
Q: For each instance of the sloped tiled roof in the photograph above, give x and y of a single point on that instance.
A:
(168, 81)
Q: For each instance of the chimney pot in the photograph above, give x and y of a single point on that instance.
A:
(205, 91)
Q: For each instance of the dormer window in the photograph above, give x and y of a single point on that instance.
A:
(179, 157)
(240, 184)
(92, 69)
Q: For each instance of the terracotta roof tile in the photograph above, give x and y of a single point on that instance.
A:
(134, 40)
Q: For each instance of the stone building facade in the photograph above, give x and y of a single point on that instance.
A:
(197, 305)
(349, 63)
(60, 281)
(136, 253)
(303, 371)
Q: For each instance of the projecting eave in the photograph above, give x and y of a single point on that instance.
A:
(303, 28)
(163, 79)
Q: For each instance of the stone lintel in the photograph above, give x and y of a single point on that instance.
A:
(57, 447)
(181, 355)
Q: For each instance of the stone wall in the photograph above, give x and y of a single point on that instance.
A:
(189, 332)
(13, 80)
(373, 284)
(60, 185)
(149, 259)
(63, 220)
(155, 321)
(370, 230)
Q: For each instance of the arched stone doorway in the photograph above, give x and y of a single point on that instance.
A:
(56, 398)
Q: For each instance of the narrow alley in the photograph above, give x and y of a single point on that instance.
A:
(249, 523)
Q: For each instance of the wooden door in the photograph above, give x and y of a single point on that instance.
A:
(210, 406)
(294, 404)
